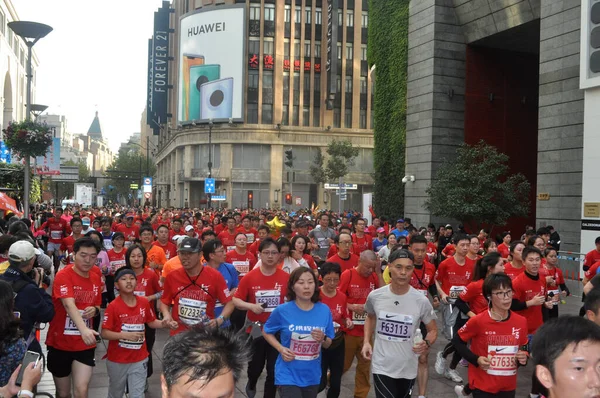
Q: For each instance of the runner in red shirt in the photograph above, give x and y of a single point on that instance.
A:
(176, 228)
(361, 240)
(124, 325)
(56, 228)
(356, 284)
(344, 257)
(247, 229)
(593, 256)
(155, 256)
(263, 232)
(193, 290)
(498, 342)
(515, 267)
(162, 241)
(503, 248)
(239, 257)
(129, 230)
(71, 341)
(301, 253)
(332, 358)
(259, 292)
(227, 237)
(66, 248)
(555, 282)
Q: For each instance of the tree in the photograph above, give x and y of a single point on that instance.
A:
(477, 188)
(12, 177)
(127, 168)
(341, 157)
(317, 170)
(389, 19)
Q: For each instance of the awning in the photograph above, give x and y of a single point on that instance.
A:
(8, 204)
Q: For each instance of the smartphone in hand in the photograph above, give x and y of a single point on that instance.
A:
(30, 356)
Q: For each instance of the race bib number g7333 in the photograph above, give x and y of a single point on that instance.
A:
(394, 327)
(304, 347)
(71, 328)
(269, 299)
(192, 312)
(132, 327)
(503, 360)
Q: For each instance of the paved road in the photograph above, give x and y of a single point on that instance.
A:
(438, 387)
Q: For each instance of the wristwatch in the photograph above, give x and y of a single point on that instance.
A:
(26, 393)
(427, 342)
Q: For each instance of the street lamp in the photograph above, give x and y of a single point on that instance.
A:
(37, 109)
(30, 32)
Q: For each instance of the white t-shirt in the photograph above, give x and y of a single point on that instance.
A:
(398, 317)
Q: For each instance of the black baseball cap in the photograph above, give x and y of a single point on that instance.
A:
(190, 245)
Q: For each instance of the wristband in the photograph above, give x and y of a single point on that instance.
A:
(26, 393)
(427, 342)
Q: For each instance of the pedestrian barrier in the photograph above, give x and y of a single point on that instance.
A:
(571, 264)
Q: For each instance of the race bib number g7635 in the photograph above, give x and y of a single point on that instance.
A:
(269, 299)
(304, 347)
(71, 328)
(394, 327)
(192, 312)
(503, 360)
(132, 327)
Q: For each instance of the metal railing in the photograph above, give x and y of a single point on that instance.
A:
(571, 264)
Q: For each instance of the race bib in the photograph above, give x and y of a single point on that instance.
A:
(132, 327)
(394, 327)
(556, 297)
(503, 360)
(71, 328)
(243, 267)
(250, 238)
(358, 319)
(117, 264)
(139, 293)
(304, 347)
(56, 234)
(336, 327)
(455, 291)
(230, 248)
(192, 312)
(269, 299)
(323, 243)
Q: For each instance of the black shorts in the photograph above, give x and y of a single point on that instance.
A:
(59, 361)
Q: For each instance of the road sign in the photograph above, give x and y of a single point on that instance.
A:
(219, 198)
(298, 201)
(147, 195)
(343, 197)
(209, 185)
(147, 180)
(346, 186)
(133, 186)
(67, 174)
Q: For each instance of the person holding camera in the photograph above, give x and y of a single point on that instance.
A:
(32, 303)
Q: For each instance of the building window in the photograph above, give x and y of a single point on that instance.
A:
(338, 83)
(363, 118)
(306, 84)
(340, 17)
(287, 13)
(318, 16)
(267, 79)
(298, 14)
(307, 48)
(2, 22)
(286, 82)
(295, 115)
(305, 116)
(337, 118)
(363, 52)
(251, 156)
(269, 12)
(317, 82)
(286, 48)
(253, 46)
(267, 113)
(363, 84)
(348, 119)
(339, 50)
(307, 14)
(268, 46)
(348, 84)
(255, 12)
(297, 48)
(253, 79)
(285, 115)
(349, 50)
(349, 18)
(364, 22)
(252, 113)
(316, 116)
(296, 81)
(318, 49)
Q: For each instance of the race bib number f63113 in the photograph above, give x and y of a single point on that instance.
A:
(394, 327)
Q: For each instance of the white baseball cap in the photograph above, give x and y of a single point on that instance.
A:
(22, 251)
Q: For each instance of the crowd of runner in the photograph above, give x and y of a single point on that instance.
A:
(312, 291)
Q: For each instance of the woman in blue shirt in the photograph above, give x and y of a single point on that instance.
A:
(304, 324)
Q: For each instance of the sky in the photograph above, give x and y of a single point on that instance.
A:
(95, 59)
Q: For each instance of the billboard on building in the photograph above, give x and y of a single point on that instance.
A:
(211, 65)
(49, 164)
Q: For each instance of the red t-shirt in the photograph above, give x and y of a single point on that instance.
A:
(346, 264)
(359, 245)
(243, 263)
(511, 271)
(257, 287)
(592, 271)
(557, 274)
(147, 283)
(310, 260)
(591, 258)
(501, 340)
(173, 233)
(193, 298)
(116, 260)
(170, 249)
(250, 234)
(56, 229)
(449, 250)
(338, 305)
(454, 276)
(87, 292)
(503, 250)
(119, 317)
(473, 295)
(253, 248)
(227, 239)
(219, 228)
(67, 246)
(130, 233)
(525, 289)
(356, 288)
(423, 278)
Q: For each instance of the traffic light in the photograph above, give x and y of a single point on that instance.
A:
(250, 199)
(288, 198)
(591, 44)
(289, 158)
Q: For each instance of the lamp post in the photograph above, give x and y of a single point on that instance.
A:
(30, 32)
(210, 126)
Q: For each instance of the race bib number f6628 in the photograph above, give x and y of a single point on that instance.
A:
(269, 299)
(304, 347)
(503, 360)
(394, 327)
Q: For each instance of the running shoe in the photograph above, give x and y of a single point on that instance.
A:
(452, 374)
(459, 391)
(440, 363)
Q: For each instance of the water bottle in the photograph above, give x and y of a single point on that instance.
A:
(418, 339)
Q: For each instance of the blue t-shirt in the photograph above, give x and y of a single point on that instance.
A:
(295, 326)
(231, 279)
(378, 245)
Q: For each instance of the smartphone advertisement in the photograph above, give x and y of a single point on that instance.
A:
(211, 65)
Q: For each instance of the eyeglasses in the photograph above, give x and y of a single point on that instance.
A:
(345, 243)
(506, 294)
(273, 253)
(331, 280)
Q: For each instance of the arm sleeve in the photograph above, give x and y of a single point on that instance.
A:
(344, 281)
(518, 305)
(369, 308)
(462, 306)
(460, 339)
(432, 290)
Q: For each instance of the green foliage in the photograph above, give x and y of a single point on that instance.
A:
(28, 138)
(388, 51)
(476, 188)
(129, 167)
(317, 170)
(12, 176)
(341, 157)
